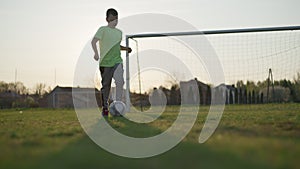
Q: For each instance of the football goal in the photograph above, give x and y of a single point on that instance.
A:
(253, 64)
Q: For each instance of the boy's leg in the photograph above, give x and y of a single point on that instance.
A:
(106, 75)
(119, 80)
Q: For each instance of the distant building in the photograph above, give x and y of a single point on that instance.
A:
(7, 98)
(62, 97)
(224, 94)
(194, 91)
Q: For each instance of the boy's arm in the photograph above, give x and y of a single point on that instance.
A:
(128, 49)
(94, 45)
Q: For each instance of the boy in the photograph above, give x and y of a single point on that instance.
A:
(110, 64)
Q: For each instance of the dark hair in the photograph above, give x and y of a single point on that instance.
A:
(111, 11)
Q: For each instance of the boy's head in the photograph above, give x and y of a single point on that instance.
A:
(112, 17)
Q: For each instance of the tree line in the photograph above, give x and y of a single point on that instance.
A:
(248, 92)
(16, 94)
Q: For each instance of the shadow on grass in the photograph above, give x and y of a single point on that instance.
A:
(84, 153)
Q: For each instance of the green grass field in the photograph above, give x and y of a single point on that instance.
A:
(248, 136)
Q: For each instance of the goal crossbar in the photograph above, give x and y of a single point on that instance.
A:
(214, 32)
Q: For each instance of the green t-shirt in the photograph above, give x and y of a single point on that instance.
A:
(109, 42)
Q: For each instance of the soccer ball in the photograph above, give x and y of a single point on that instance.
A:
(117, 108)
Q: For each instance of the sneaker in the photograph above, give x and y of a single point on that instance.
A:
(105, 112)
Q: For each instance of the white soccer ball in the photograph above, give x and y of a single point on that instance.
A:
(117, 108)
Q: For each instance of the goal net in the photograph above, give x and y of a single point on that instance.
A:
(253, 65)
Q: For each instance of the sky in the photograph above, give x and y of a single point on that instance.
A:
(41, 40)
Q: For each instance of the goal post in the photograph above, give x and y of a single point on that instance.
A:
(245, 54)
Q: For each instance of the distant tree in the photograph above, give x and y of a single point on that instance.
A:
(48, 90)
(261, 97)
(11, 86)
(40, 89)
(262, 84)
(245, 97)
(240, 88)
(253, 100)
(240, 84)
(166, 91)
(20, 88)
(175, 95)
(296, 88)
(17, 87)
(251, 86)
(3, 86)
